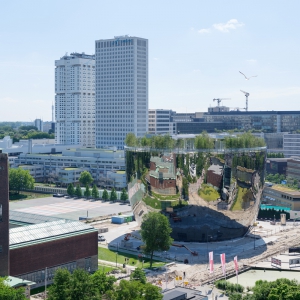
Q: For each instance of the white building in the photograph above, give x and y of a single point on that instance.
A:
(121, 89)
(106, 166)
(160, 121)
(75, 99)
(38, 123)
(32, 146)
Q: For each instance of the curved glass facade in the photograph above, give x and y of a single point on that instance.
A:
(207, 194)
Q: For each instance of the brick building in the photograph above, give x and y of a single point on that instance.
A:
(215, 176)
(162, 177)
(4, 216)
(52, 245)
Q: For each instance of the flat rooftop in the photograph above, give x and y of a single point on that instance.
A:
(285, 190)
(44, 232)
(180, 292)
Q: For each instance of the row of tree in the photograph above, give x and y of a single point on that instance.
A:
(245, 140)
(82, 286)
(275, 155)
(202, 141)
(94, 193)
(17, 132)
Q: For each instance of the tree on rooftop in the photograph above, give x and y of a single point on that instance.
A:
(130, 140)
(155, 232)
(78, 191)
(71, 190)
(20, 179)
(95, 192)
(85, 178)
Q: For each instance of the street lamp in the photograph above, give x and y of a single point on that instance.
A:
(116, 259)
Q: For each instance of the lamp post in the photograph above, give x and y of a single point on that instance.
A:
(254, 236)
(116, 259)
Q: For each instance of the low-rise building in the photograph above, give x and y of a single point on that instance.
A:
(281, 196)
(293, 169)
(276, 165)
(107, 167)
(215, 176)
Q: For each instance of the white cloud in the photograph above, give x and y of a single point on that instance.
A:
(155, 58)
(204, 30)
(226, 27)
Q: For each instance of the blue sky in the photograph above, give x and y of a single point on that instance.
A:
(196, 50)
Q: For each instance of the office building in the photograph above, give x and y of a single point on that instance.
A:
(4, 216)
(160, 121)
(75, 100)
(121, 89)
(38, 123)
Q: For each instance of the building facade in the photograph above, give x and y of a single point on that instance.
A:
(75, 99)
(38, 123)
(160, 121)
(4, 216)
(106, 166)
(121, 89)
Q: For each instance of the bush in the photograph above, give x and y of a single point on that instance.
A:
(230, 287)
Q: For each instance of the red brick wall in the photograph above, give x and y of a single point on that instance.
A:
(165, 184)
(152, 166)
(214, 178)
(4, 224)
(39, 256)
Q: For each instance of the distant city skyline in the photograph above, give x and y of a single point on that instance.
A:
(196, 51)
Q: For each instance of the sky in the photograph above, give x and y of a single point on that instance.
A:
(196, 50)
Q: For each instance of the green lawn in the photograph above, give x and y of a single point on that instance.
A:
(208, 193)
(108, 255)
(162, 204)
(27, 196)
(237, 205)
(105, 269)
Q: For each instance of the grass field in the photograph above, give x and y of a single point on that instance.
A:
(238, 204)
(105, 269)
(162, 204)
(108, 255)
(27, 196)
(208, 193)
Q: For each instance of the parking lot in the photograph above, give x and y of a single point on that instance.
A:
(69, 208)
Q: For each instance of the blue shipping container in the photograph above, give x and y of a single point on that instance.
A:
(117, 219)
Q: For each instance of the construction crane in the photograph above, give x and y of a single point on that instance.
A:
(246, 95)
(221, 99)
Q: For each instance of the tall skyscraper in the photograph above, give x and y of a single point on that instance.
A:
(4, 217)
(75, 99)
(121, 89)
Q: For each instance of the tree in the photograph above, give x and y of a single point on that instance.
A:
(59, 290)
(103, 283)
(130, 140)
(95, 192)
(87, 192)
(105, 195)
(20, 179)
(9, 293)
(78, 191)
(139, 275)
(155, 232)
(113, 195)
(71, 190)
(85, 178)
(124, 195)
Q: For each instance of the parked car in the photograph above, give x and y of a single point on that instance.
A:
(101, 238)
(58, 195)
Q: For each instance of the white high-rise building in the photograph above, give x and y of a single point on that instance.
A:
(38, 123)
(75, 100)
(121, 89)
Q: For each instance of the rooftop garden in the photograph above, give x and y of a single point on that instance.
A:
(201, 141)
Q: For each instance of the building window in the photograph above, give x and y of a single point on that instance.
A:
(1, 249)
(0, 212)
